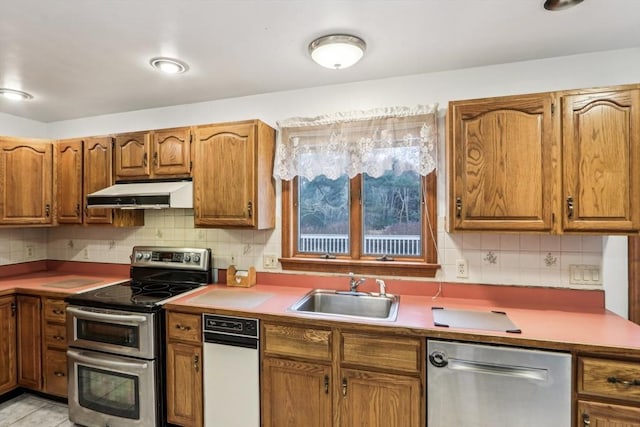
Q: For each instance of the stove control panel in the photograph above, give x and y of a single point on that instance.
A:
(171, 257)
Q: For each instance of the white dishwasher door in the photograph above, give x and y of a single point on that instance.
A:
(231, 385)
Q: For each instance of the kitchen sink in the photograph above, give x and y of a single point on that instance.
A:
(362, 305)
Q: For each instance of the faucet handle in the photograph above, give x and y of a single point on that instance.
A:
(383, 287)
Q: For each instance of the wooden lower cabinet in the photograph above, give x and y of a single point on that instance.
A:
(55, 372)
(29, 342)
(54, 347)
(593, 414)
(184, 369)
(296, 394)
(7, 344)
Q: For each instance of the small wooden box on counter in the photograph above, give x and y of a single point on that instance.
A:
(241, 278)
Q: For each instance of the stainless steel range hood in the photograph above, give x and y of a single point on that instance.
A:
(144, 195)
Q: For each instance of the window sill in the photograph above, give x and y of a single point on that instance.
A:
(387, 268)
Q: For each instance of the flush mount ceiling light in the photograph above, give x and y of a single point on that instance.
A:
(15, 95)
(560, 4)
(169, 65)
(337, 51)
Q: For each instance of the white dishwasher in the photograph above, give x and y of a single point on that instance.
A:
(475, 385)
(231, 369)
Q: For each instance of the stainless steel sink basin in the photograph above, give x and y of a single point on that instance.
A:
(360, 305)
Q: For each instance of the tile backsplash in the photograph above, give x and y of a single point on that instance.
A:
(510, 259)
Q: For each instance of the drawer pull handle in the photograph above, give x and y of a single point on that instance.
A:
(183, 328)
(58, 311)
(59, 374)
(615, 380)
(326, 384)
(58, 338)
(344, 387)
(196, 362)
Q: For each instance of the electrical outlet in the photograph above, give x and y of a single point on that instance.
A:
(29, 252)
(85, 253)
(233, 259)
(270, 261)
(462, 269)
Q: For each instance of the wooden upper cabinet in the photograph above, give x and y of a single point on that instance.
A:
(69, 181)
(501, 154)
(26, 182)
(131, 153)
(98, 174)
(233, 183)
(601, 160)
(164, 153)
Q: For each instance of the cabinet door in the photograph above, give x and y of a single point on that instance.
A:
(98, 174)
(184, 384)
(69, 181)
(375, 399)
(601, 157)
(224, 182)
(26, 189)
(131, 153)
(172, 152)
(29, 342)
(295, 394)
(500, 153)
(605, 415)
(7, 344)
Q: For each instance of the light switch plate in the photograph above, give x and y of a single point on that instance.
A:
(583, 274)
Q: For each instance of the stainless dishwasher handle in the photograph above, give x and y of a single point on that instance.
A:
(92, 315)
(492, 369)
(98, 361)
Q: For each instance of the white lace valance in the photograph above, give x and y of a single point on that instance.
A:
(394, 139)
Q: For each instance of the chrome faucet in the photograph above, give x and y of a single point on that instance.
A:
(383, 287)
(353, 283)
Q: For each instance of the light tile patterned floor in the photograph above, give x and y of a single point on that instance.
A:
(28, 410)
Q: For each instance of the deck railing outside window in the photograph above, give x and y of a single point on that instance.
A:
(373, 245)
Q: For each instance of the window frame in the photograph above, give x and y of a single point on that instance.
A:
(425, 266)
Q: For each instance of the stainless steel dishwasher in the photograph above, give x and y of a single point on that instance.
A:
(231, 370)
(475, 385)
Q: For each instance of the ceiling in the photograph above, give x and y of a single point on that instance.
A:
(81, 58)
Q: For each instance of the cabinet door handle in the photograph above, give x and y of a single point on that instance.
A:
(196, 362)
(155, 158)
(586, 422)
(344, 387)
(249, 208)
(628, 383)
(570, 207)
(144, 159)
(47, 210)
(458, 207)
(78, 209)
(86, 210)
(326, 384)
(14, 307)
(183, 328)
(59, 374)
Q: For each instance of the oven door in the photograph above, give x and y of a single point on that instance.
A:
(121, 332)
(109, 390)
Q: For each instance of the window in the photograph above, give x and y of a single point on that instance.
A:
(360, 195)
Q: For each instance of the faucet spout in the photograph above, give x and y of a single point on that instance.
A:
(354, 283)
(383, 287)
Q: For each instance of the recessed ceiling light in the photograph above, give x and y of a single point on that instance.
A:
(560, 4)
(337, 51)
(15, 95)
(169, 65)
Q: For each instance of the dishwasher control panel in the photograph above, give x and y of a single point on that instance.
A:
(230, 325)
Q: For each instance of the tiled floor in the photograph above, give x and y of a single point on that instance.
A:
(28, 410)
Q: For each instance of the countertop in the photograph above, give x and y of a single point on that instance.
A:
(55, 283)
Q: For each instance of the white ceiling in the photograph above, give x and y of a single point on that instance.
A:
(82, 58)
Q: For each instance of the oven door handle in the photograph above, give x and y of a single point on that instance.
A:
(79, 356)
(92, 315)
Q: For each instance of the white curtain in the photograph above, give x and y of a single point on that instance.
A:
(394, 139)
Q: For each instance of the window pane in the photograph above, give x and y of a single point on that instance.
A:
(323, 215)
(392, 215)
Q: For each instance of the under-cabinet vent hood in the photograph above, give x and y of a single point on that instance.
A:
(144, 195)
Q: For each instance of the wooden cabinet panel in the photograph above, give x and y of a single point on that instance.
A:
(609, 378)
(55, 372)
(98, 174)
(382, 351)
(8, 366)
(375, 399)
(600, 138)
(172, 152)
(184, 384)
(296, 394)
(26, 182)
(70, 197)
(308, 343)
(29, 342)
(592, 414)
(131, 153)
(184, 327)
(500, 153)
(233, 183)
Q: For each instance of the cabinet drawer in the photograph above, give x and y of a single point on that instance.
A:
(609, 378)
(55, 372)
(184, 327)
(55, 334)
(295, 341)
(381, 351)
(54, 310)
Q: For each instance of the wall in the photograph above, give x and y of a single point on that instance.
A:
(500, 259)
(18, 126)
